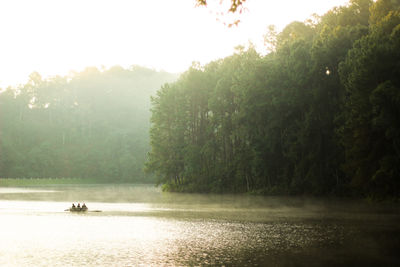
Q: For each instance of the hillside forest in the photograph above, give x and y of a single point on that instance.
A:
(319, 114)
(92, 125)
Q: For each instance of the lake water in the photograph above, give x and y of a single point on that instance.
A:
(141, 226)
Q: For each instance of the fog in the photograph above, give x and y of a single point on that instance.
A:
(140, 224)
(124, 200)
(92, 124)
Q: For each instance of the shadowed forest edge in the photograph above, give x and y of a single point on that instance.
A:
(318, 115)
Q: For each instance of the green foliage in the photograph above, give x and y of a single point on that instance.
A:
(371, 76)
(91, 125)
(318, 115)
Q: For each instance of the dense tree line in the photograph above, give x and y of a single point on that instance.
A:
(93, 124)
(320, 114)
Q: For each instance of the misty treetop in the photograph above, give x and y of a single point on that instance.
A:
(92, 124)
(320, 114)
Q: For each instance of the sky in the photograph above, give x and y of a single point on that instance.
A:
(54, 37)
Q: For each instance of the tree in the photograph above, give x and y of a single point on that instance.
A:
(92, 124)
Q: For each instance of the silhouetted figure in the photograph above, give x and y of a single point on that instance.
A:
(79, 205)
(73, 207)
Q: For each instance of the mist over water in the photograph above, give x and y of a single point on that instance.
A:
(140, 225)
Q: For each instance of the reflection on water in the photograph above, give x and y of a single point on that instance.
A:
(139, 225)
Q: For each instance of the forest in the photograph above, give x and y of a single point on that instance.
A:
(319, 114)
(92, 124)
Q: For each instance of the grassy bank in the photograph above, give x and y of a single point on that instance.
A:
(8, 182)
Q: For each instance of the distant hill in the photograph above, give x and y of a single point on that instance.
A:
(92, 124)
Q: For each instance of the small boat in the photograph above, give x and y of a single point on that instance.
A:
(76, 209)
(80, 209)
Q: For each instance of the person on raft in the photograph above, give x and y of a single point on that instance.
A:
(73, 206)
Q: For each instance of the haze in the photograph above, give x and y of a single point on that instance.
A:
(55, 37)
(151, 133)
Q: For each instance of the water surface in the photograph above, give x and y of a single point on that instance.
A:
(141, 226)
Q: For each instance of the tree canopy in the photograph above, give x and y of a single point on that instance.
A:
(317, 115)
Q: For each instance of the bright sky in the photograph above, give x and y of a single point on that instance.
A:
(57, 36)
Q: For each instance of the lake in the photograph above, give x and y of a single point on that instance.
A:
(141, 226)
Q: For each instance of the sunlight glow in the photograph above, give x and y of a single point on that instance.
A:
(55, 37)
